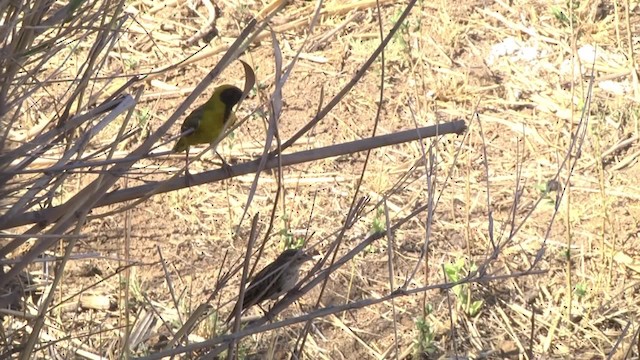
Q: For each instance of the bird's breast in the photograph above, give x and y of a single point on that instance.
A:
(289, 280)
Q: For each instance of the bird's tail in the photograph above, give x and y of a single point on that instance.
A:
(232, 315)
(180, 146)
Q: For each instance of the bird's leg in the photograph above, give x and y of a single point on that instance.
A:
(225, 165)
(266, 313)
(188, 178)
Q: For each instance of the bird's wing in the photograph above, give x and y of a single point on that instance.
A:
(264, 285)
(268, 270)
(193, 120)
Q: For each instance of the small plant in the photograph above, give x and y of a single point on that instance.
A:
(135, 287)
(131, 64)
(561, 14)
(547, 189)
(378, 222)
(142, 117)
(581, 290)
(456, 272)
(297, 243)
(289, 241)
(371, 249)
(423, 342)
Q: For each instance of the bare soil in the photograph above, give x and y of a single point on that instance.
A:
(436, 70)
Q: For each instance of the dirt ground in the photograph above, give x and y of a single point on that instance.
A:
(560, 274)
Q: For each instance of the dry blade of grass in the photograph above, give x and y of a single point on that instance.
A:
(456, 127)
(537, 197)
(261, 325)
(91, 194)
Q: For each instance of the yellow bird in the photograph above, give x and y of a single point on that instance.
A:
(208, 122)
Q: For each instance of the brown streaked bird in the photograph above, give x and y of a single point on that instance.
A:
(274, 280)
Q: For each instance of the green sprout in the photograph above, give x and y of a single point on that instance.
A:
(456, 272)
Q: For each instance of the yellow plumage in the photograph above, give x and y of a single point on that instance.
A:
(210, 119)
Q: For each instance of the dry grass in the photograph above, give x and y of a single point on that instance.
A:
(515, 240)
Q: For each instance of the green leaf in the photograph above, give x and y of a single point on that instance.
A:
(475, 307)
(451, 272)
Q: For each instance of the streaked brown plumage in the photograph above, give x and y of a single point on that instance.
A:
(274, 280)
